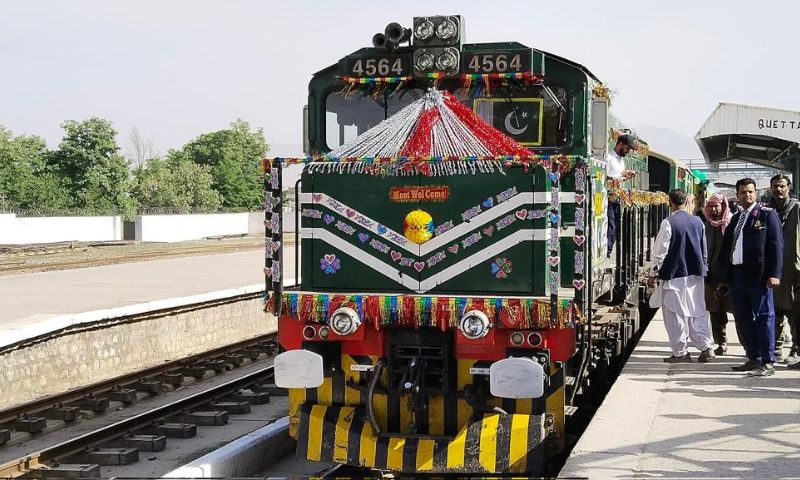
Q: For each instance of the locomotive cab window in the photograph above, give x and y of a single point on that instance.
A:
(537, 116)
(346, 118)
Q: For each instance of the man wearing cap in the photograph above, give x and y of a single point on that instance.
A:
(681, 259)
(616, 172)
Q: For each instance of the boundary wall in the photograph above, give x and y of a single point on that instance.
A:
(21, 230)
(177, 228)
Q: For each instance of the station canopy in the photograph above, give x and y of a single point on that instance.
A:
(744, 133)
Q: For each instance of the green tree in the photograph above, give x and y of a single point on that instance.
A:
(98, 176)
(234, 155)
(175, 184)
(26, 181)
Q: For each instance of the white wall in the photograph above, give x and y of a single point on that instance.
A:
(22, 230)
(177, 228)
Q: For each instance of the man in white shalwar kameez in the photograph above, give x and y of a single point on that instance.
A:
(680, 256)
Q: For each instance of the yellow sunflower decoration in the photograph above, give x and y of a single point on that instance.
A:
(418, 226)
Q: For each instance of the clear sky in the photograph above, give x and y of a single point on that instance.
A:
(176, 69)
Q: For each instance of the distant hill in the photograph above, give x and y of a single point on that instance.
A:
(670, 142)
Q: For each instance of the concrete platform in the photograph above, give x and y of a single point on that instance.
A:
(38, 303)
(692, 420)
(64, 329)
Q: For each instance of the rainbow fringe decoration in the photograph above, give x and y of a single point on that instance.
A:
(432, 311)
(374, 87)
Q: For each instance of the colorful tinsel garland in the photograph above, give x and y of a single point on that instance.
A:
(373, 86)
(392, 166)
(432, 311)
(632, 197)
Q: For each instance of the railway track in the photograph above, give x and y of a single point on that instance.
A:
(22, 265)
(118, 442)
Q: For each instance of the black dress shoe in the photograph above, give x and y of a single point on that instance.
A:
(684, 359)
(706, 356)
(721, 350)
(746, 367)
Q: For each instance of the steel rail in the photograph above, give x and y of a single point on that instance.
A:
(50, 401)
(105, 434)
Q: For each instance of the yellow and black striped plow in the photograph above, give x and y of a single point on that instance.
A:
(494, 443)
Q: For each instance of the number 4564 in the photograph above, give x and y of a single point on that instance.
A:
(379, 66)
(495, 63)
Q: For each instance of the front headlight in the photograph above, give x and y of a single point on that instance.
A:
(474, 324)
(446, 30)
(446, 61)
(424, 61)
(424, 30)
(344, 321)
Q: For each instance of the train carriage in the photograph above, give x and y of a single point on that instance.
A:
(456, 305)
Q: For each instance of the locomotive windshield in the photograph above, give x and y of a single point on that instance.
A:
(536, 116)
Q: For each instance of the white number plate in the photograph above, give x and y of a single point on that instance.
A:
(479, 371)
(361, 368)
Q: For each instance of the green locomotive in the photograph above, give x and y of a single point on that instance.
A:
(456, 305)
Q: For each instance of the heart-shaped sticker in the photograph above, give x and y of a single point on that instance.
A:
(330, 258)
(579, 198)
(363, 237)
(579, 239)
(275, 245)
(396, 255)
(501, 274)
(328, 219)
(418, 266)
(488, 231)
(350, 213)
(521, 214)
(268, 272)
(554, 217)
(494, 268)
(553, 261)
(578, 284)
(382, 229)
(488, 203)
(453, 249)
(554, 176)
(317, 197)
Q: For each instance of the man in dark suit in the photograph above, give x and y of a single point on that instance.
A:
(751, 261)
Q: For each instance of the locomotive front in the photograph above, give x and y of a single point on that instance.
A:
(438, 304)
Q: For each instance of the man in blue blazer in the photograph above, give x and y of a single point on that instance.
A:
(751, 261)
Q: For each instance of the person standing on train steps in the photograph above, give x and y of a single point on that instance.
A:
(788, 210)
(680, 257)
(718, 216)
(751, 261)
(616, 173)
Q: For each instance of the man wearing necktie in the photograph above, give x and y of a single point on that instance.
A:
(751, 261)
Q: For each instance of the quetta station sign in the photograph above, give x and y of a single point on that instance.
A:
(733, 119)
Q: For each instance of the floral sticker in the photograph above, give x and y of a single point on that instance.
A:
(312, 213)
(471, 213)
(379, 246)
(501, 267)
(433, 260)
(471, 240)
(443, 227)
(503, 196)
(345, 227)
(329, 264)
(506, 221)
